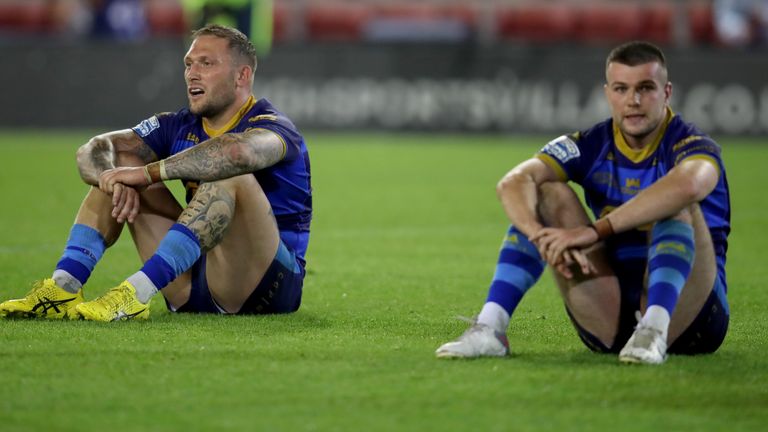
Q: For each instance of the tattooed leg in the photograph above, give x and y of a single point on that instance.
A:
(239, 232)
(198, 229)
(209, 214)
(231, 222)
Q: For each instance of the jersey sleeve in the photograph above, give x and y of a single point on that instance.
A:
(285, 130)
(158, 131)
(564, 156)
(697, 147)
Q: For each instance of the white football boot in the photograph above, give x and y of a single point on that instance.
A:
(647, 345)
(479, 340)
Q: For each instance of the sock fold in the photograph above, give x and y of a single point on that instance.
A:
(84, 248)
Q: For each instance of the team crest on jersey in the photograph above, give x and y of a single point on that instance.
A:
(192, 138)
(562, 148)
(147, 126)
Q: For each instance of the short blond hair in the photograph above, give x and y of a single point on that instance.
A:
(239, 44)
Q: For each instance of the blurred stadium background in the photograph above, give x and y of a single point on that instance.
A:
(436, 65)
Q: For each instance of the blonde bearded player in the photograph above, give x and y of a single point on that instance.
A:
(239, 244)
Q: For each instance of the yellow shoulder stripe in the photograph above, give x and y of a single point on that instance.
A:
(552, 163)
(707, 158)
(282, 141)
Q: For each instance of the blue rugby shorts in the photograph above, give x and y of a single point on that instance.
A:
(279, 291)
(704, 335)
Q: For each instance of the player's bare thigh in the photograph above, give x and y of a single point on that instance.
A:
(237, 264)
(701, 280)
(593, 300)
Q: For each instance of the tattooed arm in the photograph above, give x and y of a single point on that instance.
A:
(226, 156)
(110, 150)
(105, 152)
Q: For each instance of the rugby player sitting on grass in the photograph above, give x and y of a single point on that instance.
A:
(239, 244)
(658, 189)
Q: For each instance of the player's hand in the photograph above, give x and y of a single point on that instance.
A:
(125, 203)
(553, 242)
(128, 176)
(571, 257)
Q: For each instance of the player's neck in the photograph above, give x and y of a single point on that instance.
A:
(224, 119)
(651, 138)
(640, 143)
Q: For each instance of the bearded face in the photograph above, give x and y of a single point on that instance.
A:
(210, 75)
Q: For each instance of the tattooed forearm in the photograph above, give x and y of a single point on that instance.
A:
(107, 151)
(94, 157)
(226, 156)
(208, 214)
(103, 155)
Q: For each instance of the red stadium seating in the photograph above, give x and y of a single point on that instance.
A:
(336, 21)
(463, 12)
(25, 17)
(658, 23)
(281, 13)
(536, 23)
(593, 21)
(165, 18)
(701, 24)
(608, 23)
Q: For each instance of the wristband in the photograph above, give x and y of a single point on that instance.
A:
(603, 228)
(163, 174)
(147, 176)
(154, 171)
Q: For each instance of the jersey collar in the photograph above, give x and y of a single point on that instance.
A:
(639, 155)
(232, 122)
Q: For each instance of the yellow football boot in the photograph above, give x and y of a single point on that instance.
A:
(44, 300)
(119, 303)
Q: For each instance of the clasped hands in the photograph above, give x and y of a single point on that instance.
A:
(124, 185)
(563, 247)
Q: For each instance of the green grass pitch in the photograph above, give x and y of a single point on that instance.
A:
(405, 237)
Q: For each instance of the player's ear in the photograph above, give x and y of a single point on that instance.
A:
(244, 73)
(668, 90)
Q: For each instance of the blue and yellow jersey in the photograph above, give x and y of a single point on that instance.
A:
(612, 173)
(287, 184)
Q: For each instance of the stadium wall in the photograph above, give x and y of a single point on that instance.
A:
(439, 87)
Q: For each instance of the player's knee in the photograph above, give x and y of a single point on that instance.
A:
(559, 206)
(690, 215)
(244, 180)
(685, 215)
(234, 184)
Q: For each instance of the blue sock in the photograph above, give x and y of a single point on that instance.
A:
(518, 268)
(670, 260)
(85, 247)
(176, 254)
